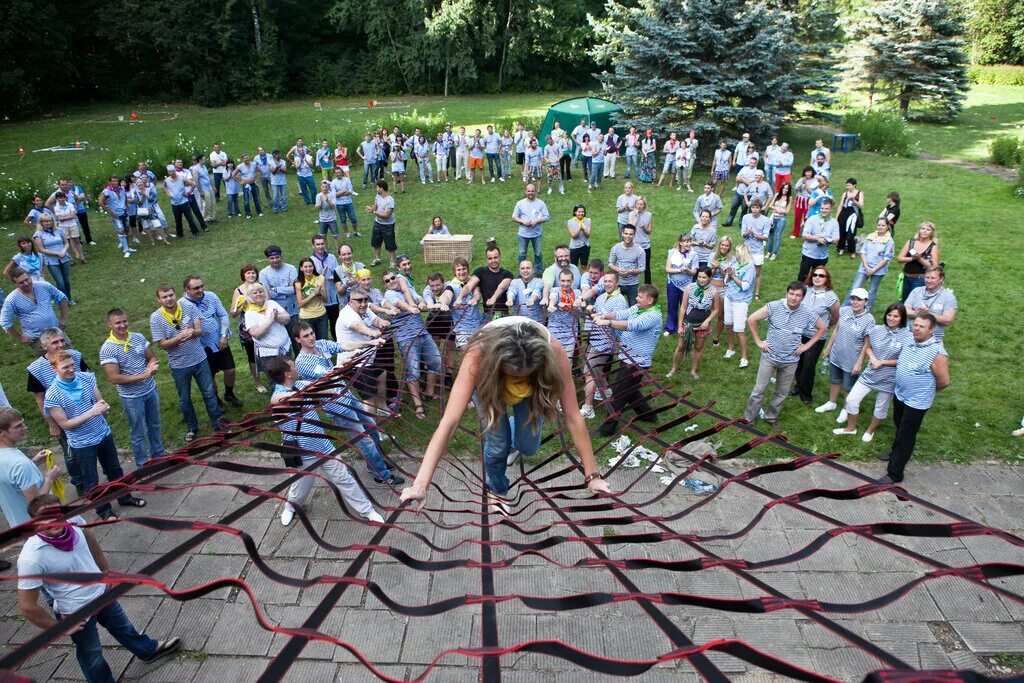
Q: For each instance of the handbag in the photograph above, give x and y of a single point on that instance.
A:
(291, 460)
(142, 212)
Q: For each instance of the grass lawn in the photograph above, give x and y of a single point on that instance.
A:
(970, 420)
(989, 111)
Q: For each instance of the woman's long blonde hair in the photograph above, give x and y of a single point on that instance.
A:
(523, 346)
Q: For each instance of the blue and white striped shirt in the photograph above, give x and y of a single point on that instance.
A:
(315, 443)
(641, 336)
(185, 354)
(130, 362)
(43, 371)
(820, 303)
(886, 345)
(215, 319)
(519, 294)
(757, 227)
(407, 326)
(707, 235)
(680, 260)
(875, 251)
(90, 432)
(938, 302)
(312, 366)
(915, 381)
(468, 319)
(786, 328)
(35, 316)
(562, 324)
(744, 292)
(604, 339)
(279, 283)
(326, 266)
(849, 339)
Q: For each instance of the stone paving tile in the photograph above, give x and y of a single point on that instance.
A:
(202, 569)
(425, 637)
(237, 632)
(290, 616)
(984, 638)
(960, 600)
(173, 668)
(44, 664)
(846, 663)
(377, 634)
(117, 658)
(231, 669)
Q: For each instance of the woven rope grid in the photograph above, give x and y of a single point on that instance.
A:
(551, 517)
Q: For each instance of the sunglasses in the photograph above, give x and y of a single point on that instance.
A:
(819, 275)
(389, 280)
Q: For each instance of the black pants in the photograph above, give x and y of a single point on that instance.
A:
(193, 204)
(580, 256)
(806, 369)
(218, 179)
(626, 390)
(83, 220)
(451, 157)
(647, 267)
(333, 311)
(807, 264)
(908, 423)
(180, 210)
(848, 235)
(587, 161)
(565, 165)
(738, 203)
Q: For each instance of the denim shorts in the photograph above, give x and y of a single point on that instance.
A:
(836, 375)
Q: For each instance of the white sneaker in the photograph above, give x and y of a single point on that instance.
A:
(92, 244)
(561, 191)
(374, 516)
(492, 180)
(744, 362)
(127, 254)
(287, 515)
(867, 437)
(501, 179)
(826, 407)
(603, 394)
(841, 431)
(549, 190)
(730, 353)
(842, 416)
(133, 250)
(587, 412)
(512, 457)
(666, 333)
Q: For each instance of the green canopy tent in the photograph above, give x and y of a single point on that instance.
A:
(569, 112)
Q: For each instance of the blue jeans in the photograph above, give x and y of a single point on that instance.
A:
(775, 234)
(910, 283)
(675, 297)
(346, 212)
(858, 281)
(502, 438)
(630, 292)
(422, 348)
(104, 453)
(89, 650)
(493, 161)
(307, 188)
(279, 198)
(254, 192)
(61, 274)
(632, 162)
(524, 243)
(144, 422)
(233, 209)
(369, 171)
(596, 171)
(183, 383)
(343, 413)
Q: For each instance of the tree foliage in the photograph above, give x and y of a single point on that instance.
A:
(911, 52)
(718, 66)
(996, 30)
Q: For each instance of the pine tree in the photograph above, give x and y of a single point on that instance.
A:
(911, 52)
(720, 67)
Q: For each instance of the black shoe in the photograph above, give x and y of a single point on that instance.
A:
(4, 565)
(887, 479)
(395, 480)
(233, 400)
(884, 457)
(608, 428)
(727, 225)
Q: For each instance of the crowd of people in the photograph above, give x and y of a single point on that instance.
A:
(493, 338)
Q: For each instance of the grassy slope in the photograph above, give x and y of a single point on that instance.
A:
(986, 383)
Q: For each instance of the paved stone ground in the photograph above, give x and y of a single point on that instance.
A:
(942, 623)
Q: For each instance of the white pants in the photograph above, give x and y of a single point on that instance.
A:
(736, 314)
(461, 162)
(442, 164)
(335, 472)
(609, 165)
(857, 394)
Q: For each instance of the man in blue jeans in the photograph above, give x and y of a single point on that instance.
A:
(531, 214)
(130, 366)
(177, 329)
(70, 549)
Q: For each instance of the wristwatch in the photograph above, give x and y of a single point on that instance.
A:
(591, 477)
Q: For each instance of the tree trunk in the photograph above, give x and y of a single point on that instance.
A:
(447, 69)
(256, 33)
(398, 59)
(904, 104)
(504, 44)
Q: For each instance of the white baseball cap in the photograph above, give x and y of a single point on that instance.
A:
(859, 293)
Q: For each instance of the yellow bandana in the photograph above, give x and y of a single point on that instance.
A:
(250, 306)
(516, 389)
(175, 318)
(126, 343)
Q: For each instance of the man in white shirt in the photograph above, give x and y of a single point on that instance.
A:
(739, 157)
(71, 549)
(218, 158)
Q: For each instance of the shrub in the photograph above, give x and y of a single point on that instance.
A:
(1006, 150)
(1000, 74)
(1019, 190)
(884, 132)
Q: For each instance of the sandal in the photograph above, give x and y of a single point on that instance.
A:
(165, 648)
(133, 502)
(189, 437)
(109, 517)
(420, 414)
(261, 389)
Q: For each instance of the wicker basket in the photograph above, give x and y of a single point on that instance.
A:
(445, 248)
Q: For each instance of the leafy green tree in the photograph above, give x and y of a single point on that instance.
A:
(911, 52)
(718, 66)
(996, 29)
(35, 65)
